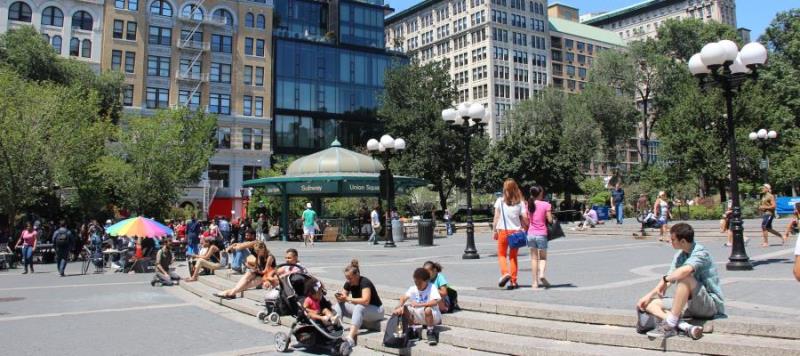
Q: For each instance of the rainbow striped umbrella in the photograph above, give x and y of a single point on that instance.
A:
(139, 226)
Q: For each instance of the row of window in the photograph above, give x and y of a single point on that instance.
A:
(221, 172)
(51, 16)
(77, 47)
(192, 11)
(252, 139)
(129, 31)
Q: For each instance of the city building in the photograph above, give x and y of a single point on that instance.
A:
(744, 34)
(497, 50)
(210, 55)
(641, 20)
(573, 47)
(74, 28)
(330, 59)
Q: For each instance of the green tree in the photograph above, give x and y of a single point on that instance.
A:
(154, 158)
(412, 105)
(548, 140)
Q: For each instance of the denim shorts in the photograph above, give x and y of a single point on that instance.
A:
(766, 221)
(538, 242)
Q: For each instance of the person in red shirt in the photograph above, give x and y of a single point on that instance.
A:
(180, 231)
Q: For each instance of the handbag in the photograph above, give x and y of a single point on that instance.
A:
(554, 231)
(518, 239)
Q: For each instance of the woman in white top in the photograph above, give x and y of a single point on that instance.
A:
(510, 216)
(661, 210)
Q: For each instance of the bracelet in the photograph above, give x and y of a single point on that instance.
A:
(664, 278)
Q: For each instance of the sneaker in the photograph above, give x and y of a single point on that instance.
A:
(350, 341)
(115, 266)
(695, 332)
(662, 331)
(433, 338)
(503, 280)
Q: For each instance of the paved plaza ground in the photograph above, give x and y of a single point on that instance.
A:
(120, 314)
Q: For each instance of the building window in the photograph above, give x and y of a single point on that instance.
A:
(248, 75)
(133, 5)
(247, 138)
(248, 46)
(259, 76)
(249, 20)
(82, 20)
(160, 36)
(19, 11)
(247, 105)
(191, 68)
(130, 35)
(56, 41)
(223, 137)
(222, 44)
(250, 51)
(261, 22)
(74, 47)
(119, 25)
(259, 106)
(258, 139)
(220, 73)
(86, 49)
(250, 172)
(52, 16)
(192, 103)
(161, 7)
(158, 66)
(225, 15)
(157, 98)
(116, 59)
(260, 48)
(119, 4)
(192, 11)
(219, 103)
(219, 172)
(130, 62)
(127, 95)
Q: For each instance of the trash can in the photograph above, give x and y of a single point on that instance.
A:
(397, 231)
(425, 232)
(602, 212)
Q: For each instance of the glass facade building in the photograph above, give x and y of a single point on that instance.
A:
(329, 69)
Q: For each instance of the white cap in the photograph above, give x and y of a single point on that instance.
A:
(767, 186)
(308, 205)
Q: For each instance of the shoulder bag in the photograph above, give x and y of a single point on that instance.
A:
(518, 239)
(554, 230)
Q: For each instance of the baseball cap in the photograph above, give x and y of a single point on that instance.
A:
(767, 186)
(308, 205)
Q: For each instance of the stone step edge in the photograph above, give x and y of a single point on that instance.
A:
(615, 337)
(373, 341)
(615, 317)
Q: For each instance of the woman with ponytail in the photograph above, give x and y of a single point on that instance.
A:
(359, 301)
(540, 213)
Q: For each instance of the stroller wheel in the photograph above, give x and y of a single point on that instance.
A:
(262, 316)
(345, 349)
(274, 318)
(282, 342)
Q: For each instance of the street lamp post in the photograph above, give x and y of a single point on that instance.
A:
(385, 148)
(471, 117)
(722, 64)
(763, 138)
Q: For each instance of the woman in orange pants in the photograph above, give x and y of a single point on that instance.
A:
(510, 216)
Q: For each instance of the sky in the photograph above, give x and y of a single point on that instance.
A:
(753, 14)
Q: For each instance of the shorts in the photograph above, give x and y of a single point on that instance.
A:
(308, 230)
(662, 220)
(538, 242)
(700, 304)
(766, 221)
(419, 315)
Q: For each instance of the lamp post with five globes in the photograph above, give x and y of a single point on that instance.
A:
(763, 138)
(722, 64)
(385, 147)
(471, 117)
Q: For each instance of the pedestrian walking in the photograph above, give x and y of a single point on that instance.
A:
(661, 210)
(797, 260)
(510, 216)
(447, 223)
(618, 202)
(697, 289)
(27, 240)
(193, 230)
(375, 224)
(63, 240)
(793, 224)
(767, 208)
(540, 214)
(309, 225)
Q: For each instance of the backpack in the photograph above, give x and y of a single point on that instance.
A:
(396, 334)
(62, 239)
(644, 322)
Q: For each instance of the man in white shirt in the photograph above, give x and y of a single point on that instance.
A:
(422, 302)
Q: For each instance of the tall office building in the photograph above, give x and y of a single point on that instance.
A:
(574, 47)
(641, 20)
(330, 60)
(74, 28)
(497, 49)
(211, 55)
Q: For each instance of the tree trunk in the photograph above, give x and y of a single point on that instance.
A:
(723, 196)
(442, 197)
(645, 136)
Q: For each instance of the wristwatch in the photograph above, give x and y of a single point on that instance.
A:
(664, 278)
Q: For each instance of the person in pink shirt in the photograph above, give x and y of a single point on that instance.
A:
(540, 214)
(28, 242)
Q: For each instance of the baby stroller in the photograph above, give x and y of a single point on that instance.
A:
(649, 220)
(275, 305)
(309, 333)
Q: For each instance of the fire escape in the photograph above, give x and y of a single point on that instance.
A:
(191, 75)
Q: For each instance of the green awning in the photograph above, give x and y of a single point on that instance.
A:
(332, 185)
